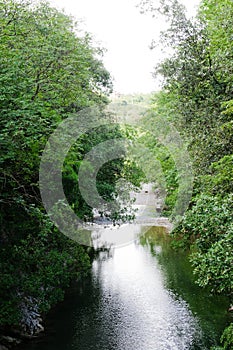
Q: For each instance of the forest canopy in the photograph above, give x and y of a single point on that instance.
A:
(50, 69)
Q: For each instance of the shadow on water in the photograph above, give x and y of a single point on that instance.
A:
(143, 297)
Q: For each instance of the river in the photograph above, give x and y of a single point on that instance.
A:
(141, 297)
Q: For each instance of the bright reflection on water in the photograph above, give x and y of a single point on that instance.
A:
(136, 309)
(132, 301)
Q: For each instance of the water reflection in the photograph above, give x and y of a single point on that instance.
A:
(143, 314)
(131, 302)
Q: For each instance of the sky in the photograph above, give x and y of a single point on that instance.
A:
(126, 34)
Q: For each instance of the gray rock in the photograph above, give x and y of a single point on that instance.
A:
(31, 319)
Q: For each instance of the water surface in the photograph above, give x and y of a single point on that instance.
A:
(142, 297)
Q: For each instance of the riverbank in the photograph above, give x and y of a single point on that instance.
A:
(31, 325)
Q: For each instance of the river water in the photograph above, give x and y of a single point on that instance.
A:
(141, 297)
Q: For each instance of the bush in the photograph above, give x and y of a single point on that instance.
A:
(207, 229)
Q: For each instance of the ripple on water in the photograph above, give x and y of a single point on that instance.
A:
(135, 302)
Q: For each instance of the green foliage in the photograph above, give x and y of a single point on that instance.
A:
(197, 98)
(220, 180)
(227, 338)
(47, 73)
(142, 100)
(196, 91)
(207, 229)
(218, 16)
(167, 178)
(39, 262)
(215, 268)
(41, 267)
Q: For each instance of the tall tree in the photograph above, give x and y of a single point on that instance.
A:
(48, 70)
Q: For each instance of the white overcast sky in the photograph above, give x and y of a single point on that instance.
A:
(126, 34)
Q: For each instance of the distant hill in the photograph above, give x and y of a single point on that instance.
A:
(129, 108)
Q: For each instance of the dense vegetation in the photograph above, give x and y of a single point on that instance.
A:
(49, 70)
(197, 97)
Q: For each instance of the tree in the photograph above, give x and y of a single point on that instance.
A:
(47, 72)
(197, 97)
